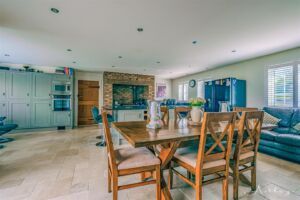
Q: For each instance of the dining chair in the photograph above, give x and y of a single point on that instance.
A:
(245, 148)
(182, 113)
(209, 163)
(165, 114)
(129, 161)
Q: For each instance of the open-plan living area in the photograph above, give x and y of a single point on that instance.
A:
(149, 99)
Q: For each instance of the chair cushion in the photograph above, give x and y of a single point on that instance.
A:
(288, 139)
(128, 158)
(268, 135)
(189, 156)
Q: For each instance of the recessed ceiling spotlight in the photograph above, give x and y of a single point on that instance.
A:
(140, 29)
(233, 51)
(74, 62)
(54, 10)
(113, 66)
(120, 57)
(145, 70)
(158, 62)
(7, 55)
(170, 72)
(69, 49)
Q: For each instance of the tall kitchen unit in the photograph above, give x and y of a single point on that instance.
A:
(229, 90)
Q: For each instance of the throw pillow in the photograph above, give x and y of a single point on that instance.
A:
(297, 127)
(269, 119)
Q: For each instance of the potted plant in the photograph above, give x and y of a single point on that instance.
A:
(197, 109)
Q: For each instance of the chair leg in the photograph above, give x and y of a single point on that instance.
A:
(198, 188)
(253, 178)
(235, 183)
(170, 177)
(109, 181)
(225, 188)
(115, 186)
(158, 183)
(189, 174)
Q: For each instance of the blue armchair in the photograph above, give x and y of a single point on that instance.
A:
(5, 128)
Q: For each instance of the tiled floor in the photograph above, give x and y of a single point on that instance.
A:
(66, 165)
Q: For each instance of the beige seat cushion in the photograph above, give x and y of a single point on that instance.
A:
(128, 158)
(189, 156)
(247, 155)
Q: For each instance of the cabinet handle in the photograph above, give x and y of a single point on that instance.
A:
(27, 104)
(49, 105)
(3, 104)
(4, 94)
(28, 94)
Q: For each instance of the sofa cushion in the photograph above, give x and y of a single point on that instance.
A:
(288, 139)
(279, 146)
(282, 130)
(268, 135)
(285, 114)
(270, 119)
(296, 119)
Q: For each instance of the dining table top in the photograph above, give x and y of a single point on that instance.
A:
(138, 135)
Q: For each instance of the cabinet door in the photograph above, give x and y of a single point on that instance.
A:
(3, 89)
(41, 115)
(131, 115)
(19, 85)
(41, 86)
(19, 113)
(62, 118)
(3, 109)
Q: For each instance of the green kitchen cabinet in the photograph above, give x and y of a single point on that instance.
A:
(3, 84)
(62, 118)
(41, 114)
(4, 109)
(19, 113)
(19, 85)
(41, 86)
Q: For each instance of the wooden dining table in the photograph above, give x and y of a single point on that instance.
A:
(170, 136)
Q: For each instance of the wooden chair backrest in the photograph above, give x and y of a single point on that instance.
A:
(178, 110)
(248, 133)
(109, 142)
(165, 114)
(220, 126)
(239, 110)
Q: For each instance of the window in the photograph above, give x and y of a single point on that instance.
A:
(180, 92)
(200, 89)
(283, 82)
(185, 91)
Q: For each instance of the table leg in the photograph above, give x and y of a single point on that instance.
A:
(165, 156)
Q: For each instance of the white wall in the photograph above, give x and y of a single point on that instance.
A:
(168, 83)
(251, 70)
(88, 76)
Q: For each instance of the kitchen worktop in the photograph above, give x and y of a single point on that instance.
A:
(126, 107)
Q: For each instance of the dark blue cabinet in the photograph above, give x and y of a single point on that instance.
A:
(230, 90)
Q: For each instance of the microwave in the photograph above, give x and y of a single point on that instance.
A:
(61, 88)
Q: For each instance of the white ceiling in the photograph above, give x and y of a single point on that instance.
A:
(98, 31)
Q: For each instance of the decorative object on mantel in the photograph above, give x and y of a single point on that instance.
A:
(192, 83)
(154, 114)
(197, 109)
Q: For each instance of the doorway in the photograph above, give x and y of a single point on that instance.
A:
(88, 96)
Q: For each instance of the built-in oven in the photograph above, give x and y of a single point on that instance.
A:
(61, 88)
(61, 102)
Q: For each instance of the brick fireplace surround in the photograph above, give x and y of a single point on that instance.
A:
(110, 78)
